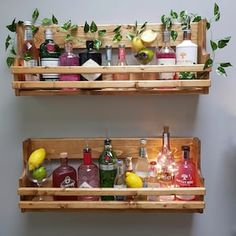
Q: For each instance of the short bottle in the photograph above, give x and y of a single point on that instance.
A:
(49, 53)
(64, 177)
(90, 57)
(120, 179)
(166, 56)
(121, 62)
(186, 174)
(166, 166)
(68, 58)
(107, 168)
(88, 175)
(29, 54)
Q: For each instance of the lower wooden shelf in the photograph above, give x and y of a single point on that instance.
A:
(123, 147)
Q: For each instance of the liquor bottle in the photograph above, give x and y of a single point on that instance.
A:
(152, 180)
(121, 62)
(88, 175)
(68, 58)
(186, 174)
(166, 56)
(90, 57)
(64, 177)
(142, 165)
(29, 54)
(128, 164)
(107, 168)
(49, 53)
(120, 179)
(108, 62)
(166, 165)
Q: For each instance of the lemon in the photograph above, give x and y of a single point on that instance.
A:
(145, 56)
(36, 158)
(39, 173)
(137, 44)
(133, 181)
(148, 36)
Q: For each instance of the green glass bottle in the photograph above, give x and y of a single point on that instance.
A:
(107, 168)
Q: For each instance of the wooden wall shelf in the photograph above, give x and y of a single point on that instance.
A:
(123, 147)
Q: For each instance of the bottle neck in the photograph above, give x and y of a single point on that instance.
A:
(64, 161)
(28, 33)
(120, 169)
(166, 140)
(68, 47)
(143, 152)
(87, 158)
(187, 35)
(186, 155)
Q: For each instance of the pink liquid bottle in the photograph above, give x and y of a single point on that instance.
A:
(186, 174)
(88, 175)
(64, 177)
(68, 58)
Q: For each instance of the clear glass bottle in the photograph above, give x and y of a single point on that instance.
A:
(88, 175)
(166, 56)
(129, 164)
(166, 166)
(90, 57)
(68, 58)
(120, 179)
(49, 53)
(29, 54)
(121, 62)
(64, 177)
(108, 55)
(107, 168)
(186, 174)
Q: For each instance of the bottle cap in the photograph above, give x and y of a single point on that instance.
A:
(108, 52)
(153, 163)
(120, 162)
(89, 44)
(27, 23)
(107, 141)
(166, 129)
(63, 155)
(185, 148)
(143, 141)
(48, 33)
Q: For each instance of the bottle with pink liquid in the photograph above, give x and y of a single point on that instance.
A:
(88, 175)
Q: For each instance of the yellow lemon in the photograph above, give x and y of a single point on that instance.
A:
(133, 181)
(36, 158)
(137, 44)
(148, 37)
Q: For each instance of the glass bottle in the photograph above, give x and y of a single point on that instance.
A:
(120, 179)
(49, 53)
(108, 62)
(29, 54)
(152, 180)
(121, 62)
(107, 168)
(88, 175)
(166, 56)
(166, 165)
(90, 57)
(64, 177)
(186, 174)
(68, 58)
(128, 164)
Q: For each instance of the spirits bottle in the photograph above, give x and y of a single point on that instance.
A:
(49, 54)
(88, 175)
(90, 57)
(64, 177)
(108, 62)
(29, 54)
(120, 179)
(121, 62)
(166, 165)
(107, 168)
(166, 56)
(142, 165)
(152, 180)
(186, 174)
(128, 164)
(68, 58)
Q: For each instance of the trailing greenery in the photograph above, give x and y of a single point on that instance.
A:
(136, 30)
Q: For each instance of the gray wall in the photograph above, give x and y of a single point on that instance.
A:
(212, 118)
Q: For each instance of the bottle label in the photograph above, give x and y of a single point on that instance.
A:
(90, 77)
(31, 77)
(107, 167)
(166, 61)
(85, 185)
(184, 181)
(50, 47)
(186, 55)
(50, 62)
(67, 183)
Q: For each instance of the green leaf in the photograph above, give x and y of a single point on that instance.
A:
(34, 29)
(12, 26)
(13, 51)
(183, 14)
(97, 44)
(196, 18)
(10, 61)
(27, 57)
(7, 42)
(130, 36)
(35, 15)
(93, 27)
(67, 25)
(174, 35)
(117, 38)
(20, 22)
(46, 21)
(143, 25)
(221, 71)
(186, 75)
(69, 37)
(208, 63)
(226, 64)
(163, 19)
(117, 29)
(216, 12)
(223, 42)
(213, 45)
(208, 25)
(74, 27)
(174, 14)
(135, 26)
(101, 33)
(86, 27)
(54, 20)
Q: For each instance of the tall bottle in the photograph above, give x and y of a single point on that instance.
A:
(166, 56)
(186, 174)
(166, 166)
(107, 168)
(108, 55)
(68, 58)
(90, 57)
(88, 175)
(120, 179)
(64, 177)
(29, 52)
(121, 62)
(49, 53)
